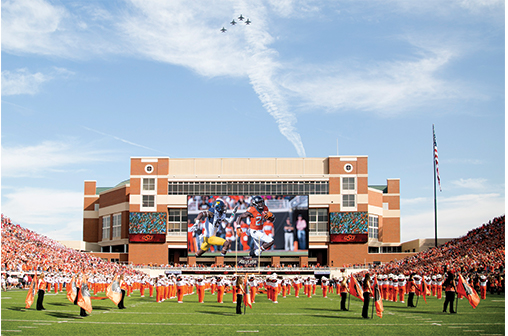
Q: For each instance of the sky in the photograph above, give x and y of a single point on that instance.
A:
(88, 84)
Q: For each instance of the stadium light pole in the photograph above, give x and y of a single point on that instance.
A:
(435, 195)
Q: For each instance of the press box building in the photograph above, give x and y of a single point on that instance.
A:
(161, 185)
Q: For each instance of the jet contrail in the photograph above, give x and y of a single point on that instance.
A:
(122, 140)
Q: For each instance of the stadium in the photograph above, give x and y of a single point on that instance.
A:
(144, 220)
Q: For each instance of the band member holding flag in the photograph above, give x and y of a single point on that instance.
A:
(366, 296)
(113, 292)
(84, 301)
(450, 289)
(41, 284)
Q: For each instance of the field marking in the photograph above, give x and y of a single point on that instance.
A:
(6, 297)
(11, 330)
(497, 300)
(247, 331)
(29, 327)
(473, 330)
(457, 327)
(260, 324)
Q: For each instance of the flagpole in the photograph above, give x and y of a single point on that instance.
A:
(435, 195)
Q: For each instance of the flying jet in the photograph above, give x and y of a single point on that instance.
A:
(223, 30)
(247, 22)
(241, 17)
(233, 22)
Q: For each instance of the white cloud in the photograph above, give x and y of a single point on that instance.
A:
(470, 183)
(36, 160)
(187, 34)
(456, 216)
(22, 82)
(57, 214)
(385, 88)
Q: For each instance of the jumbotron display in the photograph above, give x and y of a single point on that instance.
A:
(254, 226)
(147, 227)
(349, 227)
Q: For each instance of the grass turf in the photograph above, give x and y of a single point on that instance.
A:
(291, 316)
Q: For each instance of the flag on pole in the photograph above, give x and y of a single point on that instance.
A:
(378, 299)
(114, 292)
(463, 288)
(30, 296)
(425, 290)
(72, 290)
(355, 289)
(84, 300)
(436, 159)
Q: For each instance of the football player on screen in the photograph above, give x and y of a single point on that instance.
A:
(215, 219)
(258, 213)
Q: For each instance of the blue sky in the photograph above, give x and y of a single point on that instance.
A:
(87, 85)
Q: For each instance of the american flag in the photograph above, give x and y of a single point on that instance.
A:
(436, 159)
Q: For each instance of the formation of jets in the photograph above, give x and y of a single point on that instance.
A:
(233, 23)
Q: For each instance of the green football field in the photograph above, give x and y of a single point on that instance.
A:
(291, 316)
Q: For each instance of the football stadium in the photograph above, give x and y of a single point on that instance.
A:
(279, 246)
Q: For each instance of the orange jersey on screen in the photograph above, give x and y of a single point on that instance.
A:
(257, 219)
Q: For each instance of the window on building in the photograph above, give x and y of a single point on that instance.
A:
(373, 249)
(348, 183)
(105, 227)
(117, 226)
(148, 184)
(392, 249)
(249, 188)
(318, 222)
(348, 201)
(177, 221)
(373, 227)
(148, 201)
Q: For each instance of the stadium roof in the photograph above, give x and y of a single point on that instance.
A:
(383, 188)
(98, 190)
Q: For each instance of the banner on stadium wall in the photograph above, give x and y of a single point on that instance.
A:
(173, 272)
(349, 238)
(349, 223)
(150, 223)
(248, 262)
(147, 238)
(321, 272)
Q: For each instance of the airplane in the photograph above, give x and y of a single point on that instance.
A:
(223, 30)
(241, 17)
(233, 22)
(247, 22)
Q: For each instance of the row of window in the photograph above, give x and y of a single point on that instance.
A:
(117, 227)
(385, 249)
(248, 188)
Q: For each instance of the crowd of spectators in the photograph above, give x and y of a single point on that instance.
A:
(481, 251)
(25, 251)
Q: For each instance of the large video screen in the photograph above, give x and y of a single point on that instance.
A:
(147, 227)
(288, 229)
(349, 227)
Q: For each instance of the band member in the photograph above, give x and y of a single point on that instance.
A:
(41, 284)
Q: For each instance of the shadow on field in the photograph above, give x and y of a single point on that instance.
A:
(17, 308)
(337, 317)
(61, 304)
(221, 306)
(324, 309)
(63, 315)
(216, 313)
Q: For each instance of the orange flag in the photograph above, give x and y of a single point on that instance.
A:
(84, 300)
(31, 292)
(71, 290)
(355, 289)
(378, 299)
(463, 288)
(425, 290)
(114, 292)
